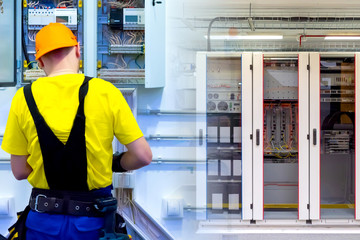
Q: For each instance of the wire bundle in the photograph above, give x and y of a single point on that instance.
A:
(124, 4)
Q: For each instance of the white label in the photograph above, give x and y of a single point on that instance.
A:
(212, 134)
(217, 201)
(225, 168)
(237, 134)
(224, 134)
(233, 201)
(213, 169)
(237, 167)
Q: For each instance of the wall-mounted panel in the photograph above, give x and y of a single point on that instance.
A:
(7, 44)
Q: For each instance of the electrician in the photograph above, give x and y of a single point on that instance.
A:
(59, 134)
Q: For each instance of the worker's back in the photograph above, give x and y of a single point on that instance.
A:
(57, 99)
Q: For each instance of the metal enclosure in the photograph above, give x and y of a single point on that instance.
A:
(280, 157)
(7, 44)
(297, 128)
(155, 24)
(333, 118)
(224, 119)
(37, 14)
(120, 46)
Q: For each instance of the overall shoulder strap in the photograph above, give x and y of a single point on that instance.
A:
(29, 97)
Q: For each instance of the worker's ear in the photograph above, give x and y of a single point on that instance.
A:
(78, 55)
(40, 63)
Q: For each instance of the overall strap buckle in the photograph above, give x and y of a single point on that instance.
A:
(36, 206)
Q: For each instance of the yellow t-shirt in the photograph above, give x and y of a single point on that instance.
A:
(57, 98)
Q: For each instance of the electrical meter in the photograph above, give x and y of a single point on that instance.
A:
(133, 18)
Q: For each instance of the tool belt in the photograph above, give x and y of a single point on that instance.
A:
(68, 202)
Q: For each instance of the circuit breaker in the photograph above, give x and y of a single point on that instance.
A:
(121, 42)
(36, 15)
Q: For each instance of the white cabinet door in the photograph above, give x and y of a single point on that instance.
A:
(224, 126)
(314, 109)
(258, 165)
(333, 117)
(155, 19)
(280, 129)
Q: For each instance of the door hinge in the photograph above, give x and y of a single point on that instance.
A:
(308, 206)
(251, 67)
(308, 67)
(251, 206)
(308, 137)
(251, 136)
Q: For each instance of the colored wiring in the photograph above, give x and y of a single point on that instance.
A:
(125, 4)
(126, 202)
(63, 4)
(116, 64)
(32, 35)
(32, 62)
(137, 64)
(33, 4)
(23, 43)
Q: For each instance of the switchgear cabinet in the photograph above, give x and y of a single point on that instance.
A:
(278, 135)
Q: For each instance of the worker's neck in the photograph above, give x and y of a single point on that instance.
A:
(67, 66)
(62, 71)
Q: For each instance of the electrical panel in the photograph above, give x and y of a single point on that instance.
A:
(223, 120)
(134, 19)
(280, 103)
(121, 42)
(36, 15)
(337, 138)
(38, 18)
(8, 43)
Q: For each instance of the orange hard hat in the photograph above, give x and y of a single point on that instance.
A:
(52, 37)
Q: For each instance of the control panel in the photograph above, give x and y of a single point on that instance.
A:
(36, 15)
(134, 18)
(37, 18)
(121, 39)
(223, 138)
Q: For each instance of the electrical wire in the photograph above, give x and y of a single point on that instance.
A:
(137, 64)
(1, 6)
(32, 62)
(32, 35)
(116, 4)
(24, 48)
(71, 4)
(33, 4)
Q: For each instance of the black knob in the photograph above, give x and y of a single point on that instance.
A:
(156, 2)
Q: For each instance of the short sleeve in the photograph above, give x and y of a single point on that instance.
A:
(126, 128)
(14, 141)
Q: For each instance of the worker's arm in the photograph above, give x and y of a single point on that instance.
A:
(138, 155)
(19, 166)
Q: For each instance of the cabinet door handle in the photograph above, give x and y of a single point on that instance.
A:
(201, 137)
(156, 2)
(314, 136)
(257, 137)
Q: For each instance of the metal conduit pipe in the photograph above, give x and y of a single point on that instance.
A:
(211, 23)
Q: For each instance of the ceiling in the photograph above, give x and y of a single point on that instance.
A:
(288, 18)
